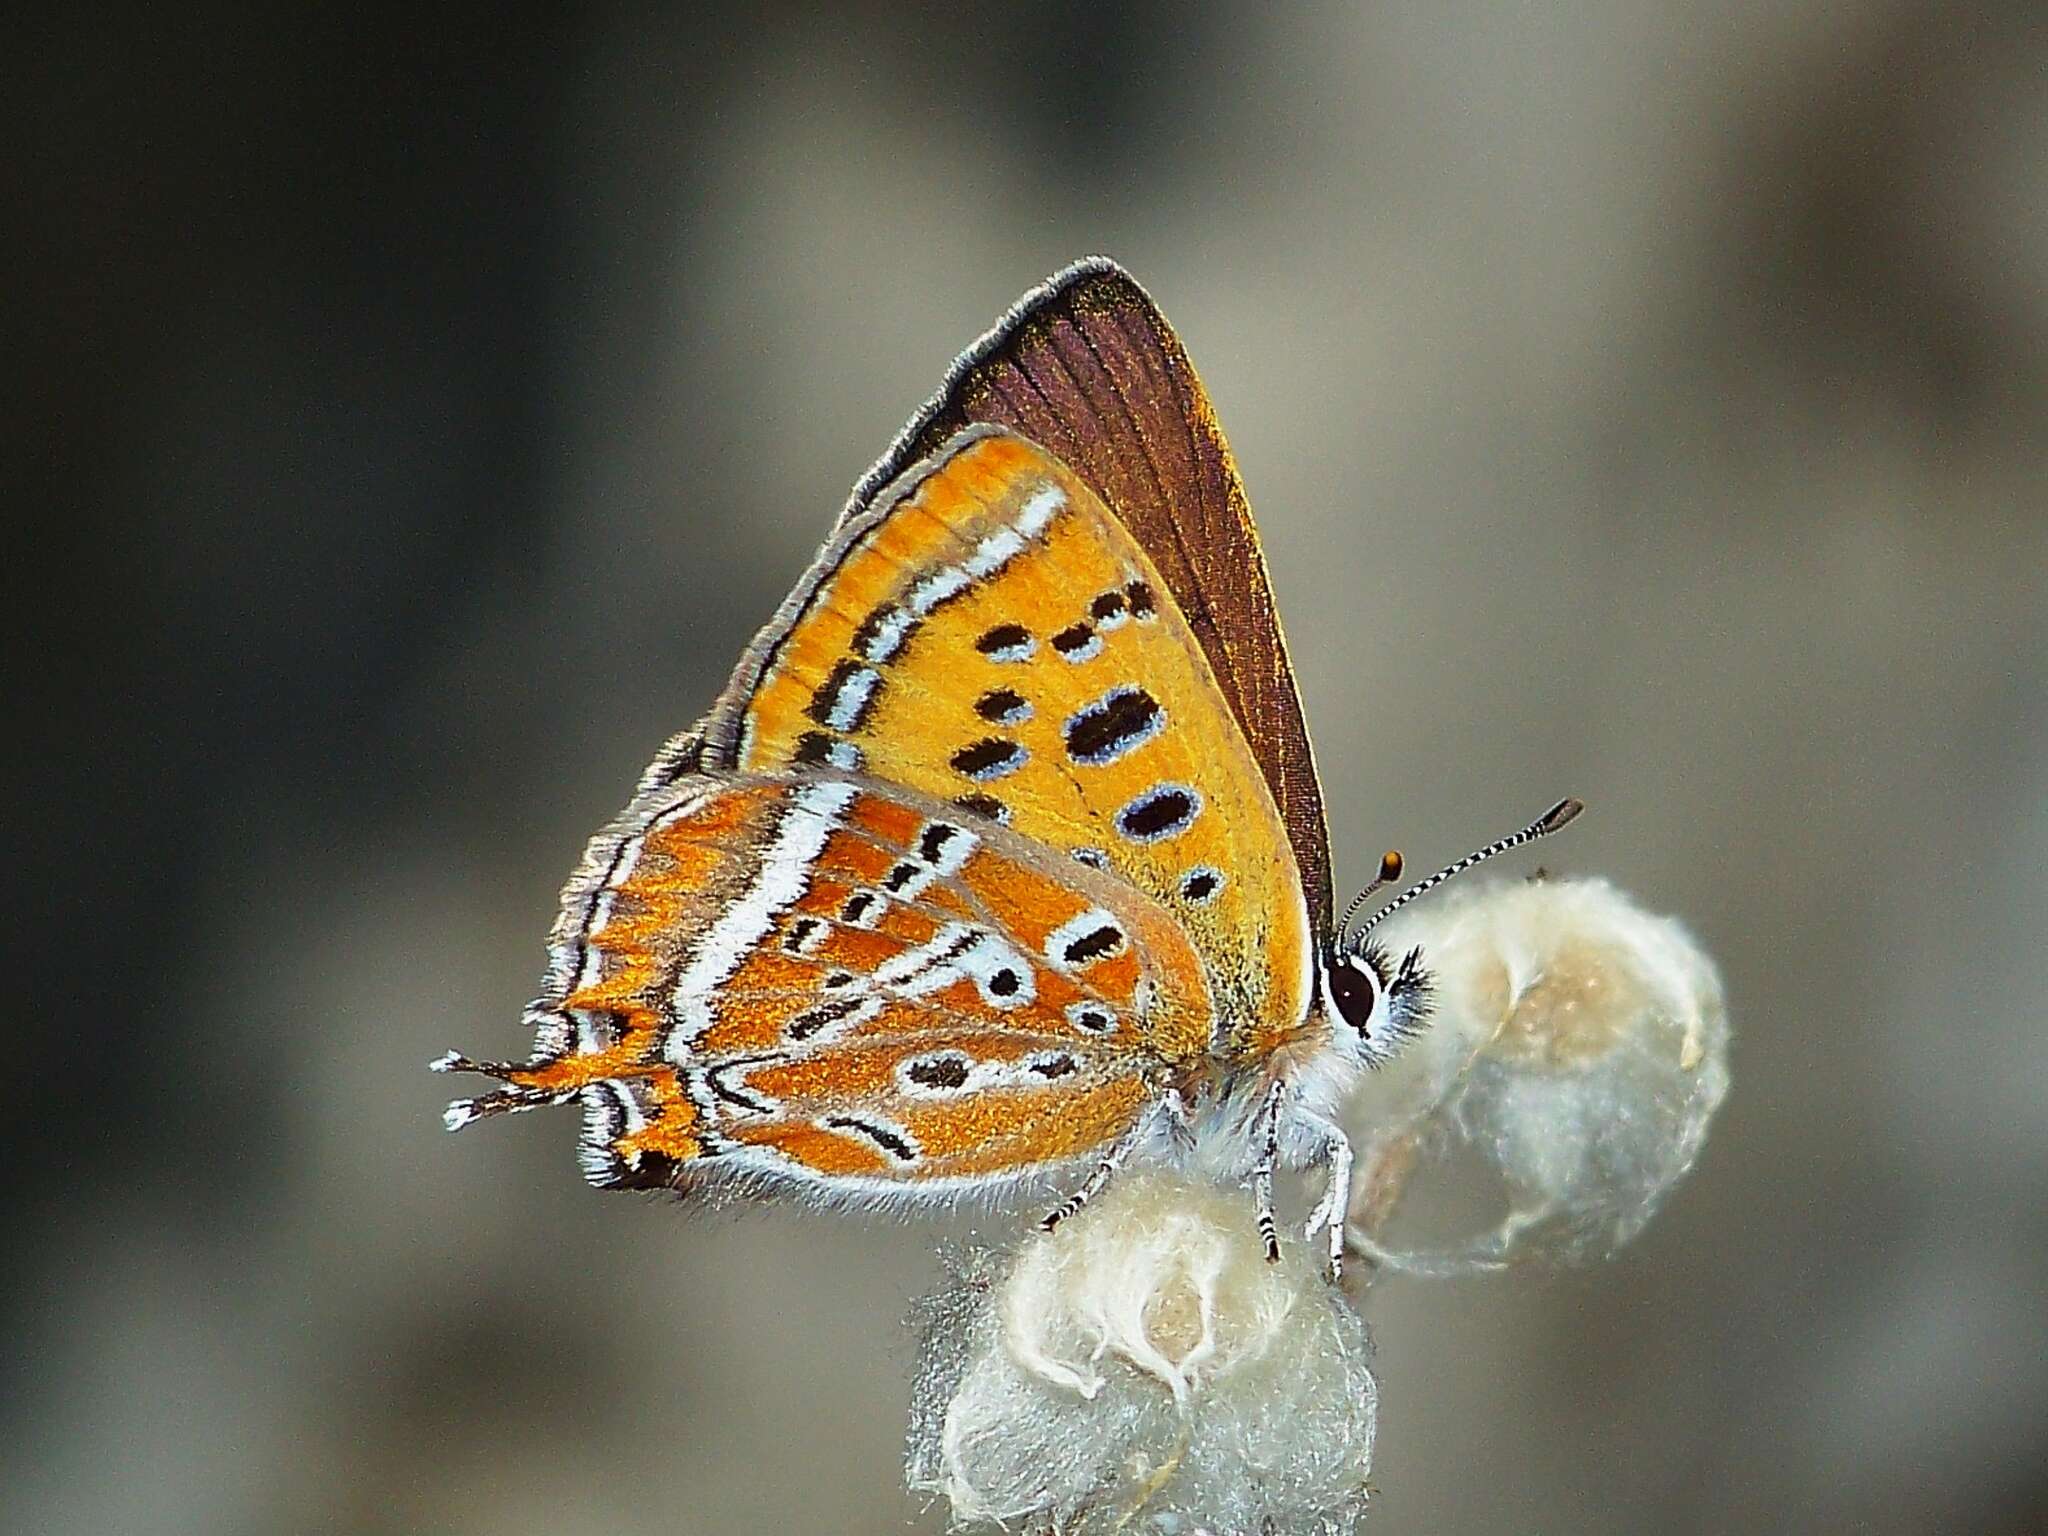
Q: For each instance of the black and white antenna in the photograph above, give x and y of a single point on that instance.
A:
(1558, 816)
(1390, 871)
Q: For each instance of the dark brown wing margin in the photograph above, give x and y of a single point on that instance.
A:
(1087, 367)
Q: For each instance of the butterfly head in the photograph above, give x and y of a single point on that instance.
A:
(1382, 1002)
(1376, 1004)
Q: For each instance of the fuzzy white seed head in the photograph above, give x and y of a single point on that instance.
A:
(1143, 1369)
(1577, 1050)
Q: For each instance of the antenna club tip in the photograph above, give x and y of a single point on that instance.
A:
(1391, 865)
(1560, 815)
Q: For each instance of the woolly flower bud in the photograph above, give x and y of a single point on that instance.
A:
(1577, 1050)
(1143, 1369)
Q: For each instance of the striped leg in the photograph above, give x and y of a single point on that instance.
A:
(1170, 1109)
(1262, 1175)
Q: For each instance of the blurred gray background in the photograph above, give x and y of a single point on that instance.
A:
(408, 423)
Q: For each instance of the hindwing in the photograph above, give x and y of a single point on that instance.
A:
(831, 980)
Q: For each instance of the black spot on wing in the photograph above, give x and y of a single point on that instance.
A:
(1074, 641)
(1003, 706)
(931, 843)
(844, 700)
(990, 758)
(1005, 642)
(946, 1072)
(988, 807)
(1108, 608)
(1160, 812)
(811, 1020)
(1093, 945)
(1051, 1067)
(962, 942)
(1092, 1017)
(1122, 719)
(1139, 595)
(883, 633)
(889, 1141)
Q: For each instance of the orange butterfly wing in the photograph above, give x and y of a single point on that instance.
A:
(1078, 674)
(990, 634)
(828, 981)
(1086, 365)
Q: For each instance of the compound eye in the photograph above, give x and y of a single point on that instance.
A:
(1355, 989)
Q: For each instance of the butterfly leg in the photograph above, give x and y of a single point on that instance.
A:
(1330, 1213)
(1172, 1110)
(1262, 1174)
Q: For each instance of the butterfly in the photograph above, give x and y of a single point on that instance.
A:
(1002, 857)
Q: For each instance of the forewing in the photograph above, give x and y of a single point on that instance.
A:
(1087, 366)
(989, 634)
(832, 981)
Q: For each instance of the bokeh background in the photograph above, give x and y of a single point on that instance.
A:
(409, 420)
